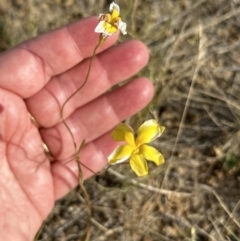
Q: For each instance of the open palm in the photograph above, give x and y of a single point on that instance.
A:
(37, 77)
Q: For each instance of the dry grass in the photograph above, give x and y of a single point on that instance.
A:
(195, 67)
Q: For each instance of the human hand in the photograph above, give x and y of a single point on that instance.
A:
(37, 77)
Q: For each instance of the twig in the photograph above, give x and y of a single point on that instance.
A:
(93, 221)
(148, 187)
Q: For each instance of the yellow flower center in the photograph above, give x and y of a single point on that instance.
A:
(111, 21)
(136, 151)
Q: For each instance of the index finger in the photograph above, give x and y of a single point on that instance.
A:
(26, 68)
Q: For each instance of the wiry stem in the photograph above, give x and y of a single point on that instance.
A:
(77, 150)
(74, 93)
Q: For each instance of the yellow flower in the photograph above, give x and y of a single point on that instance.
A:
(109, 23)
(136, 149)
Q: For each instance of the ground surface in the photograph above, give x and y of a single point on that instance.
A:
(195, 67)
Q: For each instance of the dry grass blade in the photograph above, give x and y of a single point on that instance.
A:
(148, 187)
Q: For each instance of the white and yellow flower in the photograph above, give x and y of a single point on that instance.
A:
(109, 23)
(136, 149)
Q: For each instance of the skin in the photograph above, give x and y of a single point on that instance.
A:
(37, 77)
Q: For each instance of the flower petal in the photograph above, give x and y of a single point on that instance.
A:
(120, 154)
(105, 28)
(148, 132)
(152, 154)
(139, 165)
(123, 133)
(100, 28)
(122, 27)
(114, 7)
